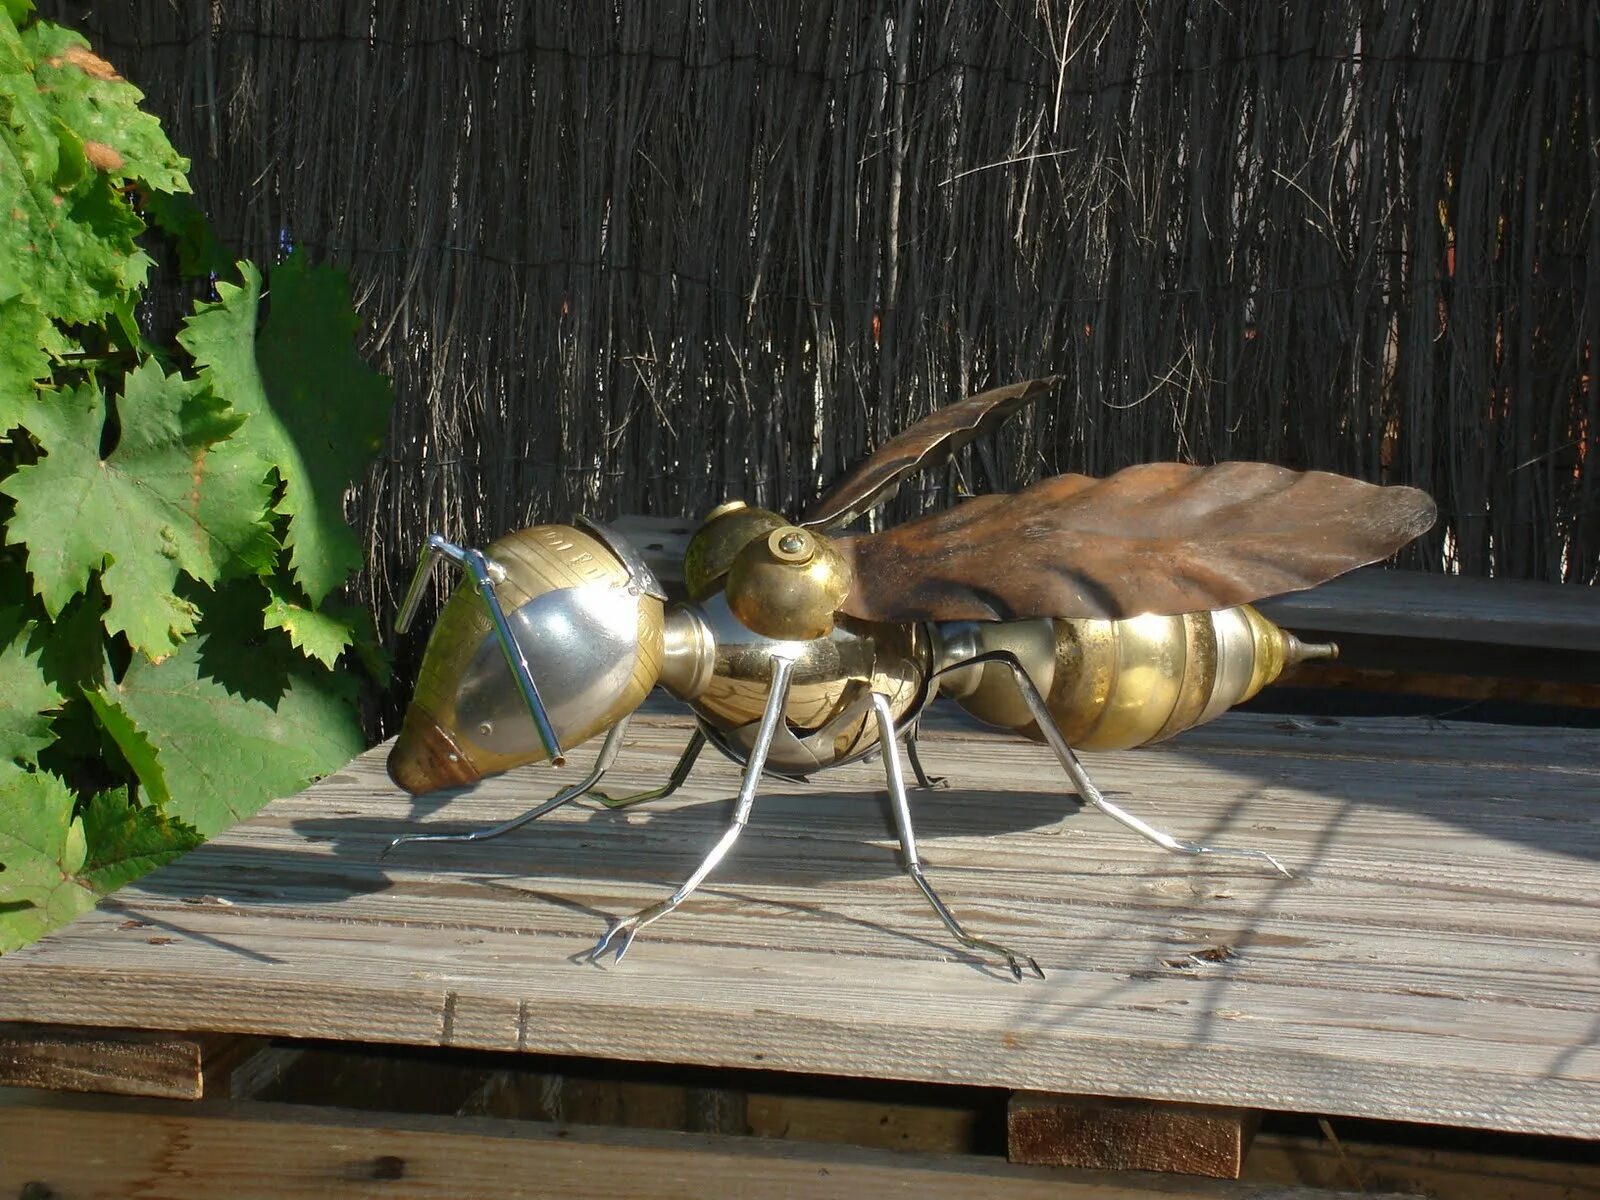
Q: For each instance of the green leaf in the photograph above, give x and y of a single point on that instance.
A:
(24, 334)
(69, 133)
(128, 840)
(102, 109)
(224, 754)
(58, 864)
(141, 756)
(43, 849)
(166, 500)
(315, 410)
(17, 9)
(319, 633)
(200, 251)
(26, 695)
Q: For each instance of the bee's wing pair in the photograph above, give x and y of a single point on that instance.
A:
(1156, 538)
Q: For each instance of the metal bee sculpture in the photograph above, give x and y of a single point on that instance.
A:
(1090, 614)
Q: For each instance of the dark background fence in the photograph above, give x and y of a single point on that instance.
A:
(642, 256)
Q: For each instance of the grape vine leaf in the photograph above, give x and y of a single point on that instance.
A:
(27, 697)
(314, 409)
(223, 753)
(167, 499)
(142, 757)
(58, 864)
(24, 334)
(319, 633)
(127, 840)
(43, 849)
(102, 110)
(70, 133)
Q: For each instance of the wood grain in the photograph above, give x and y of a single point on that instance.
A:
(1436, 959)
(130, 1062)
(284, 1152)
(1502, 612)
(1128, 1135)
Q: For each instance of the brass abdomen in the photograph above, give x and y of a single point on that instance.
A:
(1112, 685)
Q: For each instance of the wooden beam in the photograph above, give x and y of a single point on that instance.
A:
(1128, 1135)
(102, 1146)
(1425, 1170)
(128, 1062)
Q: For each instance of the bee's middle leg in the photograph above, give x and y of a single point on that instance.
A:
(679, 776)
(908, 844)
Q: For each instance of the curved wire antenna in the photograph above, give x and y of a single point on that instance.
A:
(609, 750)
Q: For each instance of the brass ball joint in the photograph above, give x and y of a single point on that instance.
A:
(788, 584)
(1087, 614)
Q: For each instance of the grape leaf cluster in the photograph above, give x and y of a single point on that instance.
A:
(173, 649)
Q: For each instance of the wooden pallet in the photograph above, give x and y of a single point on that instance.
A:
(1435, 961)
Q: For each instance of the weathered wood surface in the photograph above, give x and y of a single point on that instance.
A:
(133, 1062)
(1128, 1135)
(76, 1148)
(1499, 612)
(1373, 601)
(1437, 960)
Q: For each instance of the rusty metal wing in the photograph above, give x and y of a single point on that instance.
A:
(930, 442)
(1156, 538)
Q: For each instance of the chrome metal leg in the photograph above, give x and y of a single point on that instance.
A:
(924, 780)
(602, 763)
(679, 776)
(1088, 791)
(621, 933)
(908, 844)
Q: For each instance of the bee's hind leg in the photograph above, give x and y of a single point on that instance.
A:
(908, 844)
(621, 933)
(609, 750)
(1088, 791)
(924, 780)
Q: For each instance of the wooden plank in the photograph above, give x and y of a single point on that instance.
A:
(129, 1062)
(1426, 1170)
(1128, 1135)
(938, 1128)
(1452, 686)
(89, 1147)
(1434, 961)
(1501, 612)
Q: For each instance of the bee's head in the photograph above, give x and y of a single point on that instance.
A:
(781, 581)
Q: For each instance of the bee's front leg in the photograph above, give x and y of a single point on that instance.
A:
(609, 749)
(620, 935)
(908, 844)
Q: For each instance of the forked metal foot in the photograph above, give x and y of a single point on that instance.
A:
(908, 844)
(619, 935)
(1088, 791)
(602, 763)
